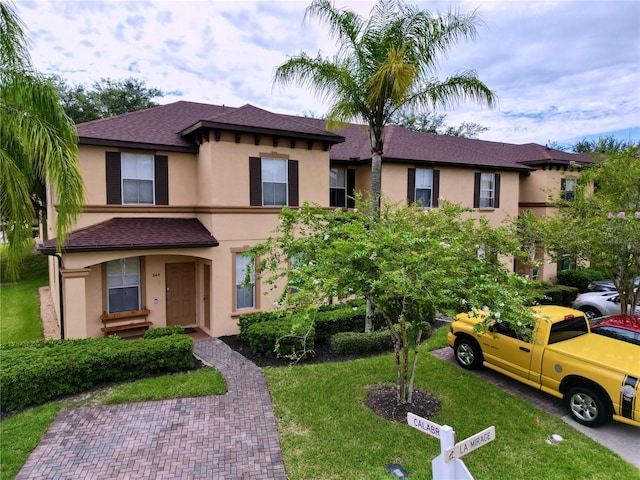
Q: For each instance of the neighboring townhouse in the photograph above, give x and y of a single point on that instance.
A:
(176, 193)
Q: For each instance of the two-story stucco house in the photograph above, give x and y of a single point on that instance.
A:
(177, 192)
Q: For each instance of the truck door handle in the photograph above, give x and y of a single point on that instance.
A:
(525, 349)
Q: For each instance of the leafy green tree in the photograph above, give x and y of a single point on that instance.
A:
(601, 224)
(606, 144)
(429, 122)
(37, 142)
(106, 98)
(413, 261)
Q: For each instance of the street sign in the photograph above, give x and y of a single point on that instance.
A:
(470, 444)
(424, 425)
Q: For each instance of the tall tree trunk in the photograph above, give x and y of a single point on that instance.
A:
(370, 314)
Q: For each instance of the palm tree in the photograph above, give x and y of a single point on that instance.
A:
(38, 143)
(384, 65)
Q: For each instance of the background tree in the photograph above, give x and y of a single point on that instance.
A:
(106, 98)
(606, 144)
(429, 122)
(37, 143)
(601, 225)
(413, 261)
(385, 64)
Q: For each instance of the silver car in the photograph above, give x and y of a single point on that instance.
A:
(600, 304)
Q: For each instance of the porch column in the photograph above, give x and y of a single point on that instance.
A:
(74, 298)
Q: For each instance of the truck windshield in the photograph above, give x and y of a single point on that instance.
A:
(570, 328)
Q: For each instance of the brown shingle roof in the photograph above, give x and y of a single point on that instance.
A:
(169, 127)
(136, 234)
(256, 120)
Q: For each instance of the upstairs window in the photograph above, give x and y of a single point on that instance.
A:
(123, 285)
(137, 179)
(567, 187)
(423, 186)
(273, 182)
(338, 187)
(486, 193)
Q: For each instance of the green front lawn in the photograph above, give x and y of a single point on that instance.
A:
(19, 302)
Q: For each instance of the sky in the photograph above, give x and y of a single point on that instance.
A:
(562, 70)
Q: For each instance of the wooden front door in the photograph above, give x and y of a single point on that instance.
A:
(181, 293)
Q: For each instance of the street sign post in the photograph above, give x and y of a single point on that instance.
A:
(447, 465)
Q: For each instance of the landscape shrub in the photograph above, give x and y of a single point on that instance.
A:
(346, 343)
(163, 332)
(37, 372)
(245, 321)
(281, 337)
(579, 278)
(557, 295)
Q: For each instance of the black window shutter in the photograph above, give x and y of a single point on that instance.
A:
(114, 183)
(255, 181)
(476, 190)
(351, 187)
(435, 192)
(293, 183)
(496, 193)
(162, 179)
(411, 185)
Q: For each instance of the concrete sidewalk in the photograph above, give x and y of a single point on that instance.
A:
(231, 436)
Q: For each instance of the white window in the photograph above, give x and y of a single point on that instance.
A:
(338, 187)
(123, 285)
(424, 187)
(245, 293)
(487, 190)
(137, 178)
(568, 186)
(274, 181)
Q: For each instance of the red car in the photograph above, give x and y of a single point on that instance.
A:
(622, 327)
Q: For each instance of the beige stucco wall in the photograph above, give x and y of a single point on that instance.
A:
(543, 184)
(223, 169)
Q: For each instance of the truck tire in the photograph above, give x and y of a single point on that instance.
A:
(587, 407)
(468, 353)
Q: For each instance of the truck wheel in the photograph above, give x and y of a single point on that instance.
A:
(468, 354)
(587, 407)
(591, 312)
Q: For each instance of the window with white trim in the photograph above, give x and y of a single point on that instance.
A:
(137, 178)
(245, 292)
(567, 187)
(123, 285)
(487, 190)
(338, 187)
(424, 187)
(274, 182)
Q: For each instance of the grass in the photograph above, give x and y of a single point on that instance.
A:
(19, 303)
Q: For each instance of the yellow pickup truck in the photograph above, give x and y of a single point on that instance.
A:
(597, 376)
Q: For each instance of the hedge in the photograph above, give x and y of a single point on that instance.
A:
(345, 343)
(37, 372)
(281, 337)
(579, 278)
(557, 295)
(163, 332)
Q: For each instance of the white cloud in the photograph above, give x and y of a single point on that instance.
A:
(561, 69)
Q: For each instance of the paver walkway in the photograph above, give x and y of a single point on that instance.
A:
(231, 436)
